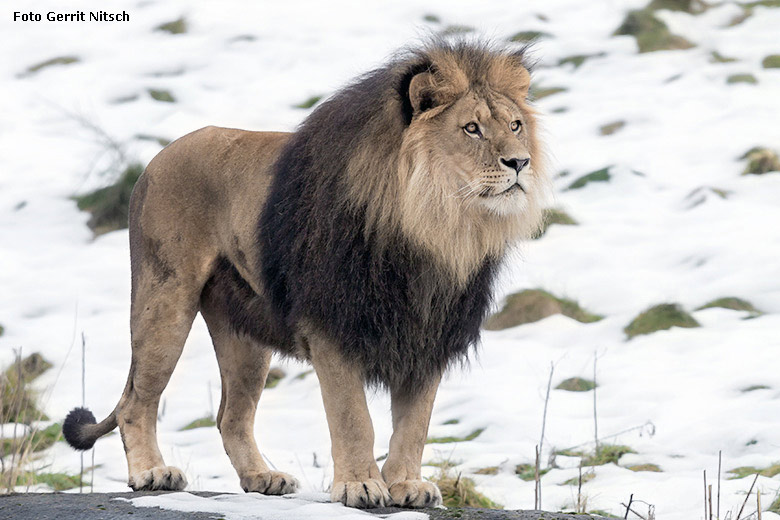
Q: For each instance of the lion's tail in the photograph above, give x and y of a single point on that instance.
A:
(81, 430)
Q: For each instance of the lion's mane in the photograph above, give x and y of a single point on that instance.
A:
(340, 255)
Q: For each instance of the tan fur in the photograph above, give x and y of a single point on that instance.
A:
(200, 200)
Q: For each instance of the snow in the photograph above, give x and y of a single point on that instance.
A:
(676, 395)
(240, 507)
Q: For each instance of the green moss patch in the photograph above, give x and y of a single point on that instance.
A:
(431, 18)
(576, 384)
(645, 467)
(110, 205)
(537, 93)
(760, 160)
(601, 175)
(203, 422)
(611, 128)
(58, 61)
(175, 27)
(746, 471)
(2, 330)
(452, 421)
(731, 302)
(527, 472)
(303, 375)
(660, 317)
(716, 57)
(446, 440)
(650, 32)
(771, 62)
(529, 36)
(457, 491)
(164, 96)
(533, 305)
(310, 102)
(742, 78)
(275, 375)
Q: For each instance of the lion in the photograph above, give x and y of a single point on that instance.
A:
(366, 242)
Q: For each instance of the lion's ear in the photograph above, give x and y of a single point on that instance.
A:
(422, 90)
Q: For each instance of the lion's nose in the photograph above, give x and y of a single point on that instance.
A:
(516, 164)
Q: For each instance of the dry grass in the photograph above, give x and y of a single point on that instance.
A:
(457, 491)
(20, 406)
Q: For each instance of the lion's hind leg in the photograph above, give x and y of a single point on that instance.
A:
(243, 366)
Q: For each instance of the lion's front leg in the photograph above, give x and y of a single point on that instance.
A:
(357, 481)
(411, 415)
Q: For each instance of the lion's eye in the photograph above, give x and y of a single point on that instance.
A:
(515, 125)
(472, 129)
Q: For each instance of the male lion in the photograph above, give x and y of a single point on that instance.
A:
(366, 242)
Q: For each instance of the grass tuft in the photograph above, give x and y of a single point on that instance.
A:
(660, 317)
(60, 60)
(611, 128)
(606, 454)
(576, 384)
(553, 216)
(313, 100)
(18, 402)
(458, 491)
(529, 36)
(164, 96)
(203, 422)
(753, 388)
(575, 481)
(56, 481)
(601, 175)
(771, 62)
(689, 6)
(456, 30)
(491, 470)
(742, 78)
(746, 471)
(760, 160)
(578, 59)
(645, 467)
(175, 27)
(110, 205)
(731, 302)
(650, 32)
(527, 472)
(716, 57)
(431, 18)
(537, 93)
(532, 305)
(275, 375)
(446, 440)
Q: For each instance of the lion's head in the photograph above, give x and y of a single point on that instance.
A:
(467, 173)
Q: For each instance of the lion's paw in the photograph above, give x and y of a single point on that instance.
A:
(167, 478)
(415, 493)
(367, 494)
(269, 483)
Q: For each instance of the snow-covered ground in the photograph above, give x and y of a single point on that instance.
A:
(640, 241)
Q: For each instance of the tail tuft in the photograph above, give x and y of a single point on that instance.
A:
(73, 428)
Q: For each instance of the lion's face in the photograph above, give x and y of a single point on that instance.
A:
(485, 156)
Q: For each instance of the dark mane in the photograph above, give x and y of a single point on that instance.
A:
(388, 304)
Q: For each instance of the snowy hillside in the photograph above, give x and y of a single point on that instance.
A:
(673, 220)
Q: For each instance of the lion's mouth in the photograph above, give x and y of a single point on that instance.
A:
(506, 193)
